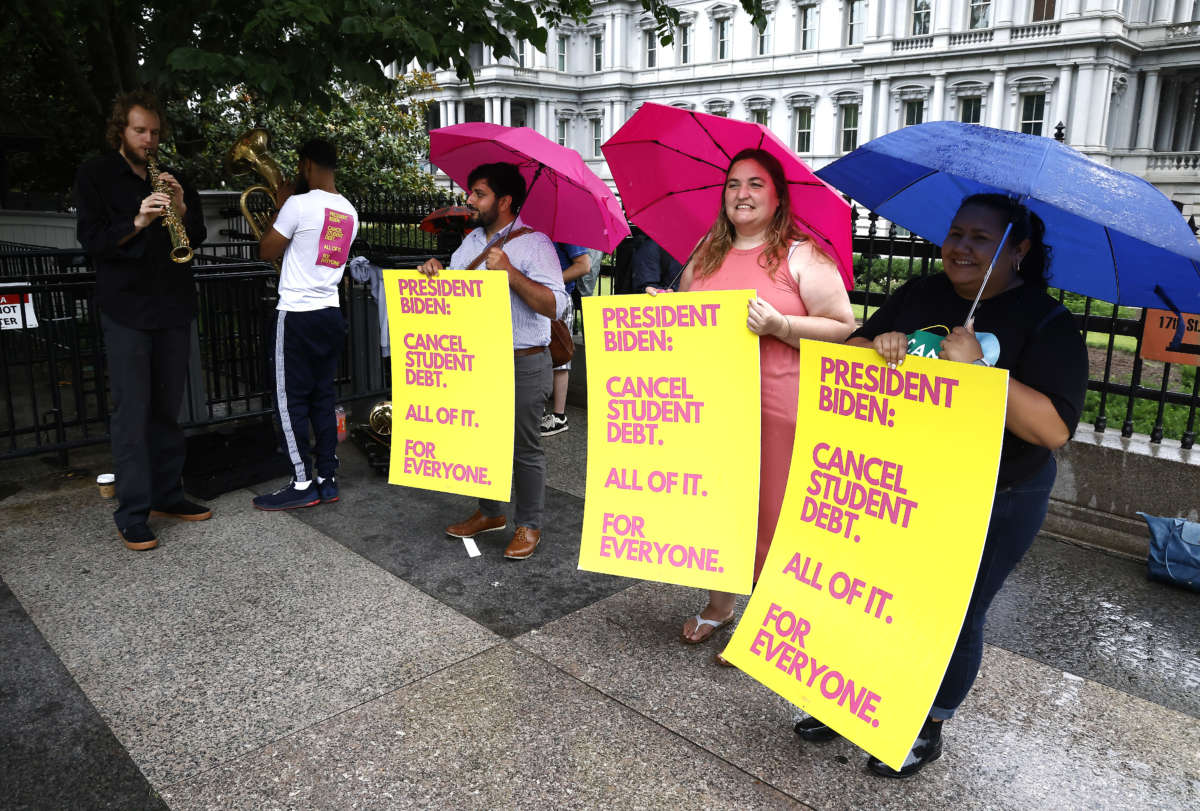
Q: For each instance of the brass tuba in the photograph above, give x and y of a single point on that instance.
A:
(381, 418)
(258, 203)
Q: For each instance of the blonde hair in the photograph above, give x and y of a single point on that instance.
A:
(781, 231)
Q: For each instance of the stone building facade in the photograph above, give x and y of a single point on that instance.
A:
(1121, 76)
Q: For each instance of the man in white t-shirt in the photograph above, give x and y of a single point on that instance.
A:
(313, 232)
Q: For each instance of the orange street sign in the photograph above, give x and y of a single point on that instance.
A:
(1160, 331)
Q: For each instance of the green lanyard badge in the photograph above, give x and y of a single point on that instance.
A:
(926, 344)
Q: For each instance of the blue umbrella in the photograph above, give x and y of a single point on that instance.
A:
(1113, 235)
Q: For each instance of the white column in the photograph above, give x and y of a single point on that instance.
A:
(443, 106)
(826, 127)
(1062, 97)
(996, 114)
(506, 111)
(899, 18)
(937, 104)
(460, 111)
(1186, 134)
(941, 16)
(1004, 13)
(622, 35)
(610, 42)
(1070, 8)
(1163, 11)
(1077, 128)
(866, 116)
(1183, 11)
(1098, 120)
(1146, 122)
(871, 32)
(1164, 135)
(883, 105)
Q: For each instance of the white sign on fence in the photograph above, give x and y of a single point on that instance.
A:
(16, 309)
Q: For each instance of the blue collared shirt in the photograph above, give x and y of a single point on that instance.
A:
(533, 255)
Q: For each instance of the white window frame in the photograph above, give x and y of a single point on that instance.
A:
(597, 53)
(762, 40)
(921, 19)
(808, 17)
(802, 112)
(1053, 9)
(650, 52)
(909, 105)
(843, 107)
(683, 43)
(986, 19)
(855, 26)
(597, 133)
(721, 39)
(1022, 121)
(977, 101)
(562, 52)
(561, 131)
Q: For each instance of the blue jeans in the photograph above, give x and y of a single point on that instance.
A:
(1017, 515)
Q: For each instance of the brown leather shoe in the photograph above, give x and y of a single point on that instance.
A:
(523, 543)
(477, 524)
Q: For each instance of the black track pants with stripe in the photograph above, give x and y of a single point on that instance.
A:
(304, 354)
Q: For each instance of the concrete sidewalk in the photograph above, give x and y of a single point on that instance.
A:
(351, 655)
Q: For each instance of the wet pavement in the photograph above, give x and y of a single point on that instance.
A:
(353, 655)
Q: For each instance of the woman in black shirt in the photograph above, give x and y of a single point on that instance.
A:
(1018, 327)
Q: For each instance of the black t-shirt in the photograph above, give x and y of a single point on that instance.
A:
(137, 284)
(1039, 345)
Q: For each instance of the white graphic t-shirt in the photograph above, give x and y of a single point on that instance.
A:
(321, 227)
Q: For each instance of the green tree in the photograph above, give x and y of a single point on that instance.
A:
(67, 59)
(380, 135)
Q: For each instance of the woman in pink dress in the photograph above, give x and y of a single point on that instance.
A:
(754, 244)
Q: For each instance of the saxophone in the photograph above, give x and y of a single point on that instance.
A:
(181, 250)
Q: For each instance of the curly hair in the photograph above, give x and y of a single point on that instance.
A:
(781, 232)
(118, 119)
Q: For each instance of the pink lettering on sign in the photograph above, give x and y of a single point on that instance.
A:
(336, 234)
(623, 537)
(780, 641)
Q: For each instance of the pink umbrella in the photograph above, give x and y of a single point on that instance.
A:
(669, 165)
(566, 201)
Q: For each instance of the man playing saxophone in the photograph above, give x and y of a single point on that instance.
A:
(147, 302)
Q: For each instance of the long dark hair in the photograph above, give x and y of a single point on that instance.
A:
(1025, 225)
(781, 232)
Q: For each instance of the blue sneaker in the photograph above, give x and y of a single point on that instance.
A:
(289, 498)
(328, 490)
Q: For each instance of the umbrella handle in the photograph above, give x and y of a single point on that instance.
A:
(988, 275)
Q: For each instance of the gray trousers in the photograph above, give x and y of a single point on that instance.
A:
(533, 384)
(147, 371)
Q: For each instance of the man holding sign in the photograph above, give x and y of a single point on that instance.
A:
(502, 242)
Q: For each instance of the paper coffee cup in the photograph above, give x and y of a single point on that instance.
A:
(107, 485)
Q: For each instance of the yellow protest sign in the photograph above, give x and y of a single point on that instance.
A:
(673, 439)
(862, 596)
(452, 381)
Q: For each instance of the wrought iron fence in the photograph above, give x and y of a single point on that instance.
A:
(54, 386)
(389, 226)
(55, 393)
